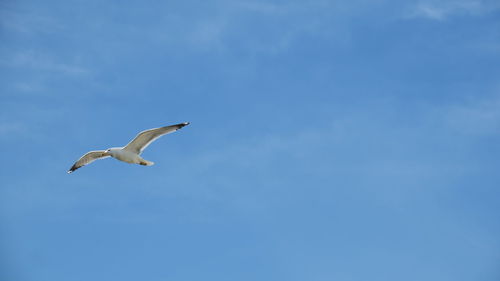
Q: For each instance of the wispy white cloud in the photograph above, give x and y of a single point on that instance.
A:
(8, 130)
(392, 158)
(34, 60)
(255, 26)
(208, 34)
(476, 117)
(444, 9)
(27, 22)
(28, 87)
(261, 7)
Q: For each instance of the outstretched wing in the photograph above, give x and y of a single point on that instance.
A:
(145, 138)
(88, 158)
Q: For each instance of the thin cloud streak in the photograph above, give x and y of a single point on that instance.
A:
(34, 60)
(443, 10)
(476, 117)
(28, 23)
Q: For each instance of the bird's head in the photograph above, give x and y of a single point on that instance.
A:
(113, 150)
(109, 151)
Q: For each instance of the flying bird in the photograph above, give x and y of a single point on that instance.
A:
(132, 151)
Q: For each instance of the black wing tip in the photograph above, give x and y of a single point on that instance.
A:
(183, 124)
(72, 169)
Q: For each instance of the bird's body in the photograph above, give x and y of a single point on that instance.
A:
(132, 151)
(128, 156)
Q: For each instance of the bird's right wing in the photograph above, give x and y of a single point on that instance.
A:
(145, 138)
(88, 158)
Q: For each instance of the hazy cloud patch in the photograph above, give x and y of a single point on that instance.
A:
(35, 60)
(444, 9)
(28, 23)
(476, 117)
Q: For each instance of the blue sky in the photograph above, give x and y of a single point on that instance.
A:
(329, 140)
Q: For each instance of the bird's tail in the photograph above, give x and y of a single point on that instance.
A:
(147, 163)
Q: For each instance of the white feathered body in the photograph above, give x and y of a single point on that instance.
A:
(128, 156)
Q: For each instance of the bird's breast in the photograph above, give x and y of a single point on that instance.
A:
(126, 156)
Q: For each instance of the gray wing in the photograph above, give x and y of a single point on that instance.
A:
(88, 158)
(145, 138)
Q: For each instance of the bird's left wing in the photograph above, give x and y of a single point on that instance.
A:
(145, 138)
(88, 158)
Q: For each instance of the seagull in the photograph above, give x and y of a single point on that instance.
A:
(132, 151)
